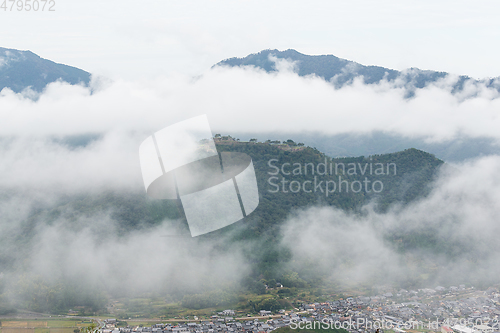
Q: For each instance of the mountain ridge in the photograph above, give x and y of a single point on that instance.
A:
(342, 71)
(22, 69)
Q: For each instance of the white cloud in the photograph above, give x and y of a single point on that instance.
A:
(250, 100)
(38, 170)
(459, 218)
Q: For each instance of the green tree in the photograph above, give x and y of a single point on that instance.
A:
(92, 328)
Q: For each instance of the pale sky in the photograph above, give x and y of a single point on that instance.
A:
(142, 39)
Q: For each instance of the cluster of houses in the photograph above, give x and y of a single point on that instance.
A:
(437, 310)
(211, 326)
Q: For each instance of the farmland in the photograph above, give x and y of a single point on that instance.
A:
(45, 325)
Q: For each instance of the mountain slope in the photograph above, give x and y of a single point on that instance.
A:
(22, 69)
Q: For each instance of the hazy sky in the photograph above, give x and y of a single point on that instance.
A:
(131, 39)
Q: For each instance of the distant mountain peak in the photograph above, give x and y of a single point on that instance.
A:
(340, 71)
(22, 69)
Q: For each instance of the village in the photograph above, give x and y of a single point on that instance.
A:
(444, 310)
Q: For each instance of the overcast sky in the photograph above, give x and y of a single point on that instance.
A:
(132, 39)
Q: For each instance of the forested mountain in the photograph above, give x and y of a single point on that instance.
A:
(341, 71)
(402, 177)
(22, 69)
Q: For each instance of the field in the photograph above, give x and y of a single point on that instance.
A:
(41, 326)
